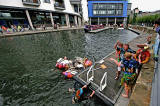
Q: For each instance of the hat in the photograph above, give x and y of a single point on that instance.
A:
(141, 45)
(146, 47)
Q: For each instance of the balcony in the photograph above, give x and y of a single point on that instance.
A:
(31, 2)
(59, 4)
(75, 1)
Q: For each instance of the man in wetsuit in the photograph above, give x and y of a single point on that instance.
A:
(83, 94)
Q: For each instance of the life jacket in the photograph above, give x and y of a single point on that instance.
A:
(87, 63)
(79, 93)
(145, 55)
(67, 74)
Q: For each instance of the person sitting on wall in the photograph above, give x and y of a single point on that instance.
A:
(4, 28)
(19, 28)
(15, 28)
(55, 26)
(82, 94)
(142, 55)
(1, 31)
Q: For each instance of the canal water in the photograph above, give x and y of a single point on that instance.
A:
(27, 65)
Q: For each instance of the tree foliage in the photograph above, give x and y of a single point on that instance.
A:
(147, 19)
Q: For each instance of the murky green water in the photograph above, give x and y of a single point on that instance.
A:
(27, 73)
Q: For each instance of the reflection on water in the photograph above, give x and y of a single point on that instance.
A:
(27, 72)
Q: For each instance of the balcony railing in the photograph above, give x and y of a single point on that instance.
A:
(58, 5)
(31, 2)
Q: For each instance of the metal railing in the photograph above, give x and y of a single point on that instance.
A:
(90, 76)
(104, 79)
(89, 79)
(155, 95)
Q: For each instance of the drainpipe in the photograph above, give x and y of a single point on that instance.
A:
(29, 19)
(52, 21)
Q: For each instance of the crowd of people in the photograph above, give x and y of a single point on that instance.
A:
(129, 62)
(22, 28)
(13, 28)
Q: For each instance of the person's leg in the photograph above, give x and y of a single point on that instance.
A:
(118, 73)
(126, 88)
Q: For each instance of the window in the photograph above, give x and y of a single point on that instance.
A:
(47, 1)
(118, 12)
(95, 6)
(76, 8)
(111, 12)
(104, 9)
(102, 12)
(95, 12)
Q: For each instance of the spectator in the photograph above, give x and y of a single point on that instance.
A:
(1, 31)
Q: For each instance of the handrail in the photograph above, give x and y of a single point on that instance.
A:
(90, 70)
(104, 78)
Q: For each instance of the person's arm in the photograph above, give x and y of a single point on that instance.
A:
(115, 46)
(115, 61)
(93, 92)
(85, 86)
(132, 51)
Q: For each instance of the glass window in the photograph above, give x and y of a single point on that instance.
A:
(119, 12)
(111, 12)
(47, 1)
(95, 6)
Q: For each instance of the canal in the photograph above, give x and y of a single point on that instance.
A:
(27, 65)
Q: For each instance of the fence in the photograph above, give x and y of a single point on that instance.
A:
(155, 94)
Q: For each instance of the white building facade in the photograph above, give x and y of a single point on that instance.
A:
(33, 13)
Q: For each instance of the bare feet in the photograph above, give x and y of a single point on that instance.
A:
(71, 90)
(125, 96)
(73, 101)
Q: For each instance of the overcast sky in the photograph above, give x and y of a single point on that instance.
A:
(146, 5)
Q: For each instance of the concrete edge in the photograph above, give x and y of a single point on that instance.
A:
(37, 32)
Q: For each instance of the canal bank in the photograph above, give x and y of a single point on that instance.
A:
(141, 95)
(38, 32)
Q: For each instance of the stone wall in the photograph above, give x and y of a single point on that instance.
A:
(141, 93)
